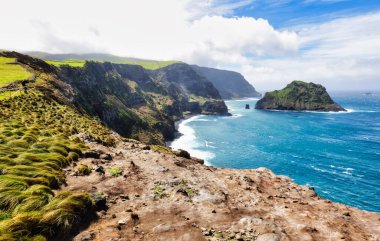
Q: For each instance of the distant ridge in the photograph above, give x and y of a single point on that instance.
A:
(102, 57)
(231, 85)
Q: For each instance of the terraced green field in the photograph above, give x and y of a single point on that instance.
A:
(10, 71)
(36, 142)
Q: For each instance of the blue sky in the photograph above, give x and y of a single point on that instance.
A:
(271, 42)
(286, 13)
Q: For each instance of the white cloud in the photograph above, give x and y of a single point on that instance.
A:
(341, 54)
(201, 32)
(167, 29)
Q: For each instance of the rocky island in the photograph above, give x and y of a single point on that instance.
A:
(299, 96)
(80, 159)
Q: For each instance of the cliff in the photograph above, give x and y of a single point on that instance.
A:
(65, 175)
(135, 102)
(231, 85)
(299, 96)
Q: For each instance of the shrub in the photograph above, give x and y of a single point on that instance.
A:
(115, 171)
(84, 170)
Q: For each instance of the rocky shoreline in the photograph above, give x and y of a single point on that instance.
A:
(160, 196)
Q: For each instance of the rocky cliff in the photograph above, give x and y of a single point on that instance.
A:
(65, 176)
(299, 96)
(135, 102)
(231, 85)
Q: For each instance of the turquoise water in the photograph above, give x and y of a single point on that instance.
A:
(336, 153)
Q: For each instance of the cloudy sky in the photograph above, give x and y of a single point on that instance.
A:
(271, 42)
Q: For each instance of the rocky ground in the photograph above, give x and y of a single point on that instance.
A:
(150, 195)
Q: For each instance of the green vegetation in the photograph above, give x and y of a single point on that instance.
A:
(70, 62)
(10, 71)
(163, 149)
(299, 96)
(36, 142)
(84, 170)
(158, 191)
(185, 189)
(147, 64)
(115, 171)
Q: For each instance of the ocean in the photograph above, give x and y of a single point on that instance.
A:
(336, 153)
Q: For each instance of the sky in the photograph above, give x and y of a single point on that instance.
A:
(271, 42)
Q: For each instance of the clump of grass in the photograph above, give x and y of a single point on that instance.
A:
(34, 147)
(115, 171)
(84, 170)
(158, 191)
(185, 189)
(163, 149)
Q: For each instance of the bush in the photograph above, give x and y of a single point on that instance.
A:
(115, 171)
(84, 170)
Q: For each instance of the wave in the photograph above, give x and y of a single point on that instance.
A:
(188, 141)
(244, 99)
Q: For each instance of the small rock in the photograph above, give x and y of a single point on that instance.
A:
(113, 215)
(135, 216)
(146, 147)
(347, 214)
(124, 197)
(161, 228)
(164, 169)
(121, 222)
(91, 154)
(100, 169)
(268, 237)
(85, 236)
(213, 211)
(184, 154)
(107, 157)
(100, 201)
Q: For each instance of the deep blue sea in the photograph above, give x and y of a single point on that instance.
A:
(336, 153)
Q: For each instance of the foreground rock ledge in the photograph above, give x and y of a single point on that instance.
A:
(164, 197)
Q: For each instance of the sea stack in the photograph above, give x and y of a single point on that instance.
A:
(299, 96)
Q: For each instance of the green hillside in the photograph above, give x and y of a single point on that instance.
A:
(10, 71)
(78, 60)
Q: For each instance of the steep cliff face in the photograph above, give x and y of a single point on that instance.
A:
(231, 85)
(135, 102)
(299, 96)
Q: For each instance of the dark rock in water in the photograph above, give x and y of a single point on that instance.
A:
(299, 96)
(247, 106)
(215, 107)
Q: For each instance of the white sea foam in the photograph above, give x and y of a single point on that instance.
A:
(244, 99)
(188, 141)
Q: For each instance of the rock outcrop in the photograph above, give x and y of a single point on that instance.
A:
(133, 101)
(299, 96)
(171, 197)
(230, 84)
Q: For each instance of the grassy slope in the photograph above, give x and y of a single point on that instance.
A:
(10, 71)
(147, 64)
(35, 145)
